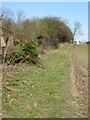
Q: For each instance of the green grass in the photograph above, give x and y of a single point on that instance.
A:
(38, 92)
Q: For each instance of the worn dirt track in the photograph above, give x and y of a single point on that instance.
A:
(80, 70)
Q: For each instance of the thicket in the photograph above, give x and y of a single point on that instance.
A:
(52, 30)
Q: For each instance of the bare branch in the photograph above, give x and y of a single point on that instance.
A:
(20, 16)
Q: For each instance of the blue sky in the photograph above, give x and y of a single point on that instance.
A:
(72, 11)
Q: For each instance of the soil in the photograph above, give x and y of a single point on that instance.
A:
(80, 71)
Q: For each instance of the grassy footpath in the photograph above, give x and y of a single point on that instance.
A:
(35, 92)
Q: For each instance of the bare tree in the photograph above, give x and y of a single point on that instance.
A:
(76, 30)
(7, 17)
(20, 16)
(6, 14)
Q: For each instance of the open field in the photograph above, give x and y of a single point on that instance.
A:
(59, 90)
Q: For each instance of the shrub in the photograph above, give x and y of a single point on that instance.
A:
(28, 52)
(15, 42)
